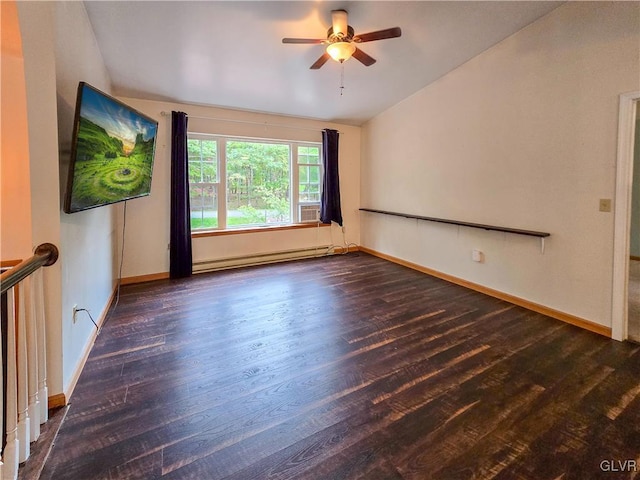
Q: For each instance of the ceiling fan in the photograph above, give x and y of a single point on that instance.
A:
(341, 41)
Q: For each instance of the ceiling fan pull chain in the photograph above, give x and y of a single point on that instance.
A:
(341, 78)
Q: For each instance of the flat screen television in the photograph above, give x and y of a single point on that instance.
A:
(112, 152)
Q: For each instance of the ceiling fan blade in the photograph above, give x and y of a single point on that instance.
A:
(363, 58)
(303, 40)
(378, 35)
(321, 61)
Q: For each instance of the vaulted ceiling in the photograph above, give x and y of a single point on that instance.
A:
(230, 54)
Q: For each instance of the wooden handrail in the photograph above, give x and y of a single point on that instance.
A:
(44, 255)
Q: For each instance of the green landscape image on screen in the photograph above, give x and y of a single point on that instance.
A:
(113, 153)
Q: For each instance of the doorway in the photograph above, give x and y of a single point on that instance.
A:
(634, 299)
(623, 318)
(633, 290)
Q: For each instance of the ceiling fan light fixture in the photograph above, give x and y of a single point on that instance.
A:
(341, 51)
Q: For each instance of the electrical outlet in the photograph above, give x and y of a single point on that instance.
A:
(477, 256)
(75, 312)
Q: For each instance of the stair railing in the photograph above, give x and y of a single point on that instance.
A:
(24, 377)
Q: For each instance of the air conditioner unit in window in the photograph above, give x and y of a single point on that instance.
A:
(309, 213)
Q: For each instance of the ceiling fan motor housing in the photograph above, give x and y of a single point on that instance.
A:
(339, 37)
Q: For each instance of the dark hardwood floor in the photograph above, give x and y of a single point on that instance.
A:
(346, 367)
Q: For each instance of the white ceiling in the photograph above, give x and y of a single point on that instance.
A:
(230, 54)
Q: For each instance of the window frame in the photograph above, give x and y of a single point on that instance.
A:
(222, 190)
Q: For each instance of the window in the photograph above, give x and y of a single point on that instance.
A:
(258, 183)
(239, 182)
(309, 174)
(203, 182)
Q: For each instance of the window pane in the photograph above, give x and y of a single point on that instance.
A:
(304, 175)
(195, 171)
(257, 183)
(204, 153)
(314, 174)
(193, 148)
(309, 184)
(309, 155)
(204, 206)
(209, 171)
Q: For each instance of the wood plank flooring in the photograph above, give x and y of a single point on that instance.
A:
(345, 367)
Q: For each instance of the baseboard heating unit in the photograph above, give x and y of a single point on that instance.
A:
(261, 258)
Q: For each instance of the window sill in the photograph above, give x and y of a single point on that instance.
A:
(236, 231)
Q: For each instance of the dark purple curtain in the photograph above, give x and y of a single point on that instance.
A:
(330, 210)
(180, 258)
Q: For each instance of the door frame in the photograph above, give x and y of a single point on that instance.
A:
(622, 215)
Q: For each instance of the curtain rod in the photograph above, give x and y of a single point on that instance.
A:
(264, 124)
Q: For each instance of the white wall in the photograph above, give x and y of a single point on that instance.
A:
(38, 36)
(15, 186)
(523, 136)
(147, 223)
(60, 50)
(89, 268)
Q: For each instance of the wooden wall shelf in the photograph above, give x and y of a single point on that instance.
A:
(496, 228)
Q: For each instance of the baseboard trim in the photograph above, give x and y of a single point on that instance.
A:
(349, 249)
(165, 275)
(56, 401)
(521, 302)
(634, 257)
(144, 278)
(262, 258)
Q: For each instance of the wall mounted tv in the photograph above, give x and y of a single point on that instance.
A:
(111, 154)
